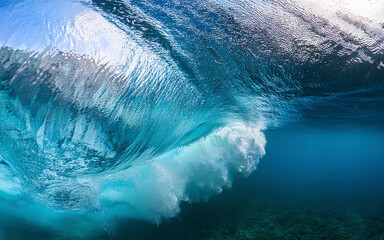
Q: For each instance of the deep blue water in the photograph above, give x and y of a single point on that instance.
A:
(191, 119)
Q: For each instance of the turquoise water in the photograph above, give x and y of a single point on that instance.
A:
(191, 119)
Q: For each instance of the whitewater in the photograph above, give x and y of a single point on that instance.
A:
(126, 109)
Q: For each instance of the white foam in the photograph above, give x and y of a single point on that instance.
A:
(155, 190)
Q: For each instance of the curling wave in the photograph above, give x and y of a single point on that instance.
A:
(131, 107)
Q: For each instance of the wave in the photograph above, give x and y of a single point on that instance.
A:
(131, 107)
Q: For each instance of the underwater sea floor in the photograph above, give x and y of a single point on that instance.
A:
(294, 218)
(269, 215)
